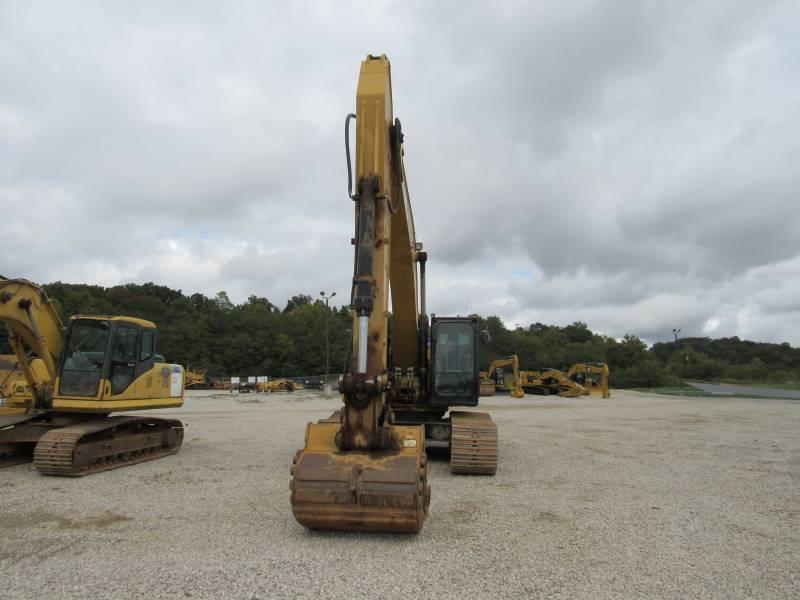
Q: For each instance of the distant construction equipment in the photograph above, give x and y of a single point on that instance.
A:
(594, 377)
(196, 378)
(550, 382)
(504, 375)
(582, 379)
(278, 385)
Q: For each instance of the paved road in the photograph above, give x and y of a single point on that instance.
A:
(746, 390)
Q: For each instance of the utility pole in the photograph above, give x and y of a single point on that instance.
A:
(326, 387)
(675, 332)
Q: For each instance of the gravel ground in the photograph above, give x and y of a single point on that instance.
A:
(636, 496)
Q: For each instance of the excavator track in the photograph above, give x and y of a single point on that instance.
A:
(473, 443)
(107, 443)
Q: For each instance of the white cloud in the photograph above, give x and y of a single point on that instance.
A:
(631, 166)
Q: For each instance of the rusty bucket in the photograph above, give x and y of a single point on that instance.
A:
(383, 491)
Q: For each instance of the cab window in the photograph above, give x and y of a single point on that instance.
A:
(454, 369)
(84, 357)
(123, 358)
(125, 344)
(148, 344)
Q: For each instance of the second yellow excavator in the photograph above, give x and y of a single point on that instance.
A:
(195, 378)
(551, 381)
(365, 467)
(504, 374)
(75, 377)
(593, 377)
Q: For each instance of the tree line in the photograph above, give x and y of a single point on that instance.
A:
(257, 337)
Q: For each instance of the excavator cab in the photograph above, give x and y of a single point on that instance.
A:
(454, 355)
(117, 351)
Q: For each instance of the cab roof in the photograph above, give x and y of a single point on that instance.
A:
(135, 320)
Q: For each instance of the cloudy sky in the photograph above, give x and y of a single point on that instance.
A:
(633, 165)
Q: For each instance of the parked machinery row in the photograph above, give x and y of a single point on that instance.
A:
(582, 379)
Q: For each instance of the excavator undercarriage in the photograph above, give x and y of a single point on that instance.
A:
(71, 446)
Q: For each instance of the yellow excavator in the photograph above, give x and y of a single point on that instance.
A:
(278, 385)
(365, 467)
(195, 378)
(551, 381)
(594, 377)
(504, 378)
(76, 377)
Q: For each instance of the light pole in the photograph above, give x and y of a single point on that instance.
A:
(327, 338)
(675, 332)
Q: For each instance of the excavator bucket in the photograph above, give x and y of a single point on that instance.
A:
(383, 491)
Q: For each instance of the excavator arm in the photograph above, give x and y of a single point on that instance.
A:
(32, 323)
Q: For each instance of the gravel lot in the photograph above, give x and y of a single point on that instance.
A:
(637, 496)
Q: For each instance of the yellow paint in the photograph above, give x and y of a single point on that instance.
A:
(135, 320)
(320, 437)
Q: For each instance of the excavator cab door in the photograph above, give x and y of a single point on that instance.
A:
(455, 376)
(133, 353)
(125, 349)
